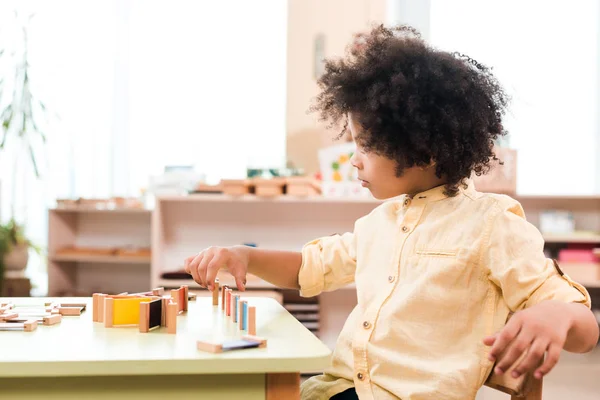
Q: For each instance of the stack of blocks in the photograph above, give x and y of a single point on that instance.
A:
(28, 317)
(148, 310)
(240, 313)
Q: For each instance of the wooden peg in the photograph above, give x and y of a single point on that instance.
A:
(228, 301)
(98, 307)
(251, 320)
(236, 301)
(172, 311)
(215, 293)
(241, 314)
(223, 294)
(144, 325)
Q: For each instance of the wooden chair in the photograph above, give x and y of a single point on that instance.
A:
(524, 387)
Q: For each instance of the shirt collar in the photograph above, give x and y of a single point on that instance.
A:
(437, 193)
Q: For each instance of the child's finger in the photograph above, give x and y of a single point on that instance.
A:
(532, 359)
(239, 273)
(514, 351)
(212, 270)
(551, 360)
(193, 266)
(186, 264)
(490, 340)
(503, 338)
(202, 268)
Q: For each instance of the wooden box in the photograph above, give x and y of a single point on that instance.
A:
(268, 187)
(235, 187)
(302, 186)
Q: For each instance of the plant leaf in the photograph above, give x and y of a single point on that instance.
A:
(35, 167)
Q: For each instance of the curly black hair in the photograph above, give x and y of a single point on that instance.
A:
(417, 104)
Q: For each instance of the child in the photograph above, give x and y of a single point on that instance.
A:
(439, 266)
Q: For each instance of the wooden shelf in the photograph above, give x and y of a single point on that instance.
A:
(108, 259)
(254, 198)
(90, 210)
(251, 283)
(572, 238)
(585, 273)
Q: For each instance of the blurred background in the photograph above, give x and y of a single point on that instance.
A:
(136, 132)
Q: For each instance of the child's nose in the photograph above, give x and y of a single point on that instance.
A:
(354, 161)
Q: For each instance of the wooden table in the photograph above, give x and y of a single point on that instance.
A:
(80, 359)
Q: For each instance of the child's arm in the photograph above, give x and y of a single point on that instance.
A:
(552, 312)
(277, 267)
(324, 264)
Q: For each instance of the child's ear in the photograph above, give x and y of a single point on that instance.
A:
(431, 164)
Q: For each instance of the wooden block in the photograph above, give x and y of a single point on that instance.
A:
(109, 304)
(158, 291)
(27, 326)
(52, 319)
(236, 300)
(235, 187)
(70, 310)
(8, 316)
(262, 342)
(209, 347)
(223, 292)
(302, 186)
(269, 187)
(96, 298)
(101, 306)
(172, 311)
(228, 302)
(231, 304)
(78, 305)
(252, 320)
(215, 293)
(144, 325)
(241, 314)
(229, 345)
(184, 297)
(192, 296)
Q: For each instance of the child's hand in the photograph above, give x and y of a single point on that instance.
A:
(536, 330)
(205, 265)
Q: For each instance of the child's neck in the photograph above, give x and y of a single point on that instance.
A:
(426, 182)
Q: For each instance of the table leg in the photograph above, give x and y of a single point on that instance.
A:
(283, 386)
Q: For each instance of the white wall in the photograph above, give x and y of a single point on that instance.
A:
(547, 56)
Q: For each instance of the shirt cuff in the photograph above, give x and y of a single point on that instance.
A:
(310, 276)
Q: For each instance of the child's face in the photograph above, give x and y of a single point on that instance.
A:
(379, 174)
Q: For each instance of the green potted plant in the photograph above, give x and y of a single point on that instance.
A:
(14, 250)
(20, 139)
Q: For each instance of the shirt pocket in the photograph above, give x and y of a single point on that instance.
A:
(439, 266)
(436, 253)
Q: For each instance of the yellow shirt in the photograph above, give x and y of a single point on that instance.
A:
(434, 275)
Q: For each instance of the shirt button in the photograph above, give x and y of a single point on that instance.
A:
(391, 278)
(405, 229)
(360, 376)
(406, 202)
(366, 325)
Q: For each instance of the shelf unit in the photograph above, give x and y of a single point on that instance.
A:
(84, 274)
(180, 226)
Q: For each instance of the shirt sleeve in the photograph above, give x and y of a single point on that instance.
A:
(328, 263)
(519, 267)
